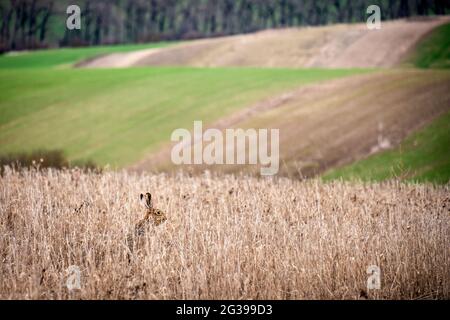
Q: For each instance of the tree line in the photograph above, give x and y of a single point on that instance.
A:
(30, 24)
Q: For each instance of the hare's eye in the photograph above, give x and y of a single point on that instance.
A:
(158, 213)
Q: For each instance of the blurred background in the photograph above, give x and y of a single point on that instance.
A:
(350, 103)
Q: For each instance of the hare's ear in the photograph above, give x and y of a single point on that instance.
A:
(148, 200)
(141, 196)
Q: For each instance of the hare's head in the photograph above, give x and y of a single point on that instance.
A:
(158, 217)
(154, 214)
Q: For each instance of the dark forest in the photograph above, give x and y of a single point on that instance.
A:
(31, 24)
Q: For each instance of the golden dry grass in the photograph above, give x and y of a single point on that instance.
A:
(226, 237)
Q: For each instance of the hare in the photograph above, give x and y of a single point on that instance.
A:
(152, 216)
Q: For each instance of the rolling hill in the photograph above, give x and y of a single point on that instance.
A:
(117, 117)
(338, 122)
(329, 117)
(334, 46)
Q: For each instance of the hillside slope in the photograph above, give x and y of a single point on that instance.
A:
(118, 116)
(423, 156)
(336, 46)
(340, 121)
(433, 51)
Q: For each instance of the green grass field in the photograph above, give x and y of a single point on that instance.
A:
(63, 58)
(117, 116)
(434, 50)
(422, 157)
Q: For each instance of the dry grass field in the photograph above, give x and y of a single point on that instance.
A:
(226, 237)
